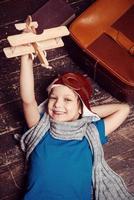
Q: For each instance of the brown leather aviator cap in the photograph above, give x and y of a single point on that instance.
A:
(78, 83)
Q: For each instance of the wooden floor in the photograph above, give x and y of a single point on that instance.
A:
(119, 152)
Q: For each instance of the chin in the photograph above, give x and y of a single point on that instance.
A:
(58, 118)
(63, 118)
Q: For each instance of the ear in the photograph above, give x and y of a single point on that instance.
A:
(80, 109)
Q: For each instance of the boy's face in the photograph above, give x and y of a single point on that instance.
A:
(63, 104)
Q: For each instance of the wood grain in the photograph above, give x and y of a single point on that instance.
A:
(119, 152)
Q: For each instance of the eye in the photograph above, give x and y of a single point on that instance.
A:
(67, 99)
(52, 98)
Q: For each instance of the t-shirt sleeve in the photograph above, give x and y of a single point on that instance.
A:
(101, 129)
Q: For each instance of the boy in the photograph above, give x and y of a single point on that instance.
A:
(64, 142)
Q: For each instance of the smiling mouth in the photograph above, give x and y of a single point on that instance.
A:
(58, 112)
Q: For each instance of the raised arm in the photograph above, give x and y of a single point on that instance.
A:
(113, 115)
(27, 91)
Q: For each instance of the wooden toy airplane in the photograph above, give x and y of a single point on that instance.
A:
(29, 42)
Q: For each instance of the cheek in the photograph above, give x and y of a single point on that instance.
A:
(49, 109)
(49, 105)
(78, 108)
(74, 107)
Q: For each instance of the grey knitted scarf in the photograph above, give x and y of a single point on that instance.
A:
(106, 183)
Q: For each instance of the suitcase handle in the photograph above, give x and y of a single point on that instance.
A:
(121, 39)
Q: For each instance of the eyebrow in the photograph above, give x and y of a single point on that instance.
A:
(66, 95)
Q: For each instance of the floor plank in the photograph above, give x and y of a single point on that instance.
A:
(119, 151)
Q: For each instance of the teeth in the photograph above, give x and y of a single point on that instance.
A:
(58, 112)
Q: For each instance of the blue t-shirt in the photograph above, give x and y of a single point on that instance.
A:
(61, 169)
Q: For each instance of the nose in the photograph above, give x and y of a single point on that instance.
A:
(58, 103)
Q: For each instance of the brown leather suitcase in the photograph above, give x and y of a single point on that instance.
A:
(105, 31)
